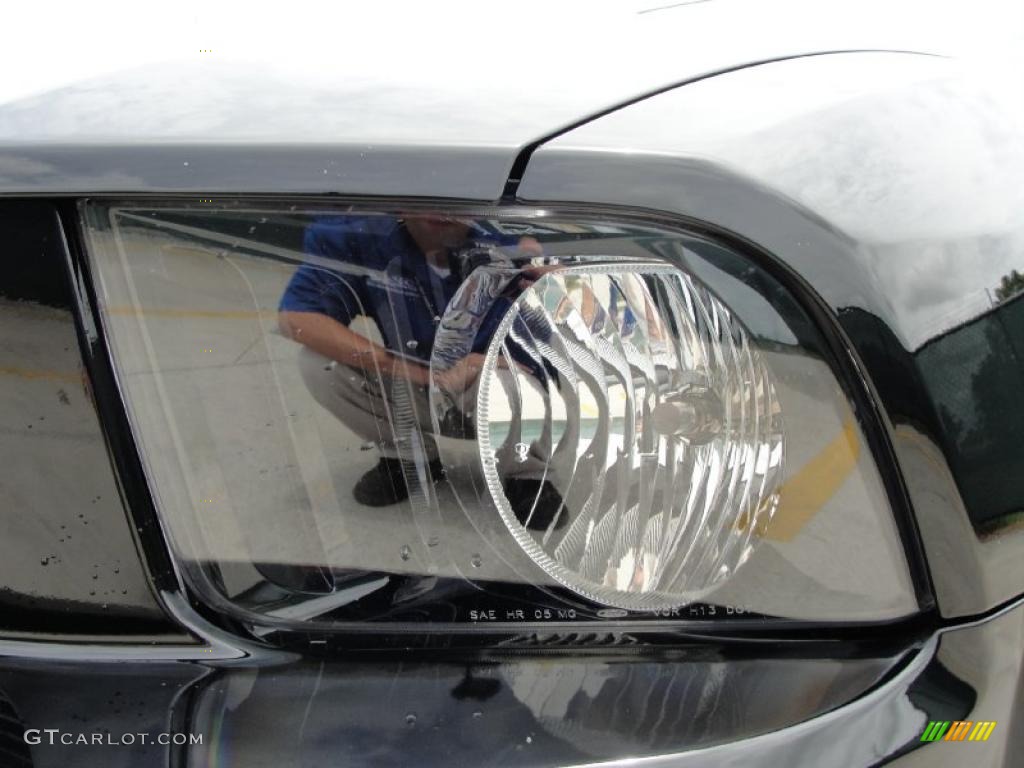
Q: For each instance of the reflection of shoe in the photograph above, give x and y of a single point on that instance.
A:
(525, 495)
(385, 485)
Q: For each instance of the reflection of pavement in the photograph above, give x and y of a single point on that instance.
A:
(269, 473)
(56, 476)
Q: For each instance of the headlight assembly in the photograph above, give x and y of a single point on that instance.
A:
(471, 417)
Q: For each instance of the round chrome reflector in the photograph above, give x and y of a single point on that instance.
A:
(628, 432)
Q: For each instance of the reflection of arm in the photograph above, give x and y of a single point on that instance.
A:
(336, 341)
(319, 303)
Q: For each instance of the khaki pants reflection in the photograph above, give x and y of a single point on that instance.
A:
(367, 404)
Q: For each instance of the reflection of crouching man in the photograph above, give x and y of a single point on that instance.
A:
(397, 273)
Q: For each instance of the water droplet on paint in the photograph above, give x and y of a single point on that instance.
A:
(405, 552)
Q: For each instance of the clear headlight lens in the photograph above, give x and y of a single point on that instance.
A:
(626, 430)
(449, 417)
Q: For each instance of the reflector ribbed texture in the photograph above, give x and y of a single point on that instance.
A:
(570, 396)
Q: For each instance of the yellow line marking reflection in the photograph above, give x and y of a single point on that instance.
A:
(817, 481)
(241, 314)
(38, 373)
